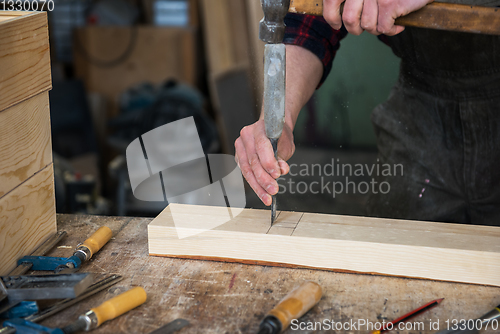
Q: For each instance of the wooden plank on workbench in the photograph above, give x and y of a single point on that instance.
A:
(27, 218)
(218, 297)
(25, 145)
(25, 56)
(447, 252)
(9, 15)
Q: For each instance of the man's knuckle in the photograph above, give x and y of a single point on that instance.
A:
(254, 161)
(245, 131)
(237, 143)
(261, 142)
(385, 3)
(349, 19)
(246, 171)
(330, 18)
(367, 25)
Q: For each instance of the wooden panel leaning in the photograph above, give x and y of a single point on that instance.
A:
(438, 251)
(25, 65)
(27, 203)
(27, 218)
(25, 145)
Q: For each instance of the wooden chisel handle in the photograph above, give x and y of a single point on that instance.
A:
(120, 304)
(441, 16)
(96, 241)
(108, 310)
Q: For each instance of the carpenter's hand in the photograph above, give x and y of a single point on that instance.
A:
(255, 157)
(375, 16)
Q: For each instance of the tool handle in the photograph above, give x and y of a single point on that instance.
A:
(297, 303)
(97, 240)
(120, 304)
(441, 16)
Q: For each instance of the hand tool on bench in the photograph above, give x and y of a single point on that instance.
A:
(391, 324)
(272, 31)
(38, 287)
(92, 319)
(83, 252)
(66, 303)
(43, 249)
(172, 327)
(23, 291)
(441, 16)
(488, 321)
(293, 306)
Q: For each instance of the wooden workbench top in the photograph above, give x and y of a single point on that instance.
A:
(233, 298)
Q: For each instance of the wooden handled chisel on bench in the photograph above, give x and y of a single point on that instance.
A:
(92, 319)
(441, 16)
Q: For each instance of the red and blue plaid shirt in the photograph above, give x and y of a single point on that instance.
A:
(316, 35)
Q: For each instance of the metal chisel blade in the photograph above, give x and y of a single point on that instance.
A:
(38, 287)
(274, 98)
(274, 143)
(172, 327)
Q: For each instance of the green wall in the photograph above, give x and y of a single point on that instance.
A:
(364, 70)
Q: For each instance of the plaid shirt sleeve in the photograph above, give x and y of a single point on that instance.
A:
(316, 35)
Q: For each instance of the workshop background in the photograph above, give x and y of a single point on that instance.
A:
(123, 67)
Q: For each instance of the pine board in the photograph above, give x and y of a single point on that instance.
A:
(437, 251)
(25, 144)
(218, 297)
(27, 218)
(25, 56)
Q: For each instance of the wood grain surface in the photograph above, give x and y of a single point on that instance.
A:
(218, 297)
(27, 218)
(438, 251)
(25, 145)
(25, 57)
(9, 15)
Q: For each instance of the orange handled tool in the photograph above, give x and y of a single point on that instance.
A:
(108, 310)
(85, 251)
(96, 241)
(293, 306)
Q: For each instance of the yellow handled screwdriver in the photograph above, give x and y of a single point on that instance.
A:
(293, 306)
(85, 251)
(108, 310)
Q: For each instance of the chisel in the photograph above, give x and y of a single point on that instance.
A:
(272, 31)
(108, 310)
(293, 306)
(488, 321)
(89, 247)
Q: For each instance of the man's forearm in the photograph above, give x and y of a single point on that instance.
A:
(303, 74)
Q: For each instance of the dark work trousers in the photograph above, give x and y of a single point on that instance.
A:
(442, 123)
